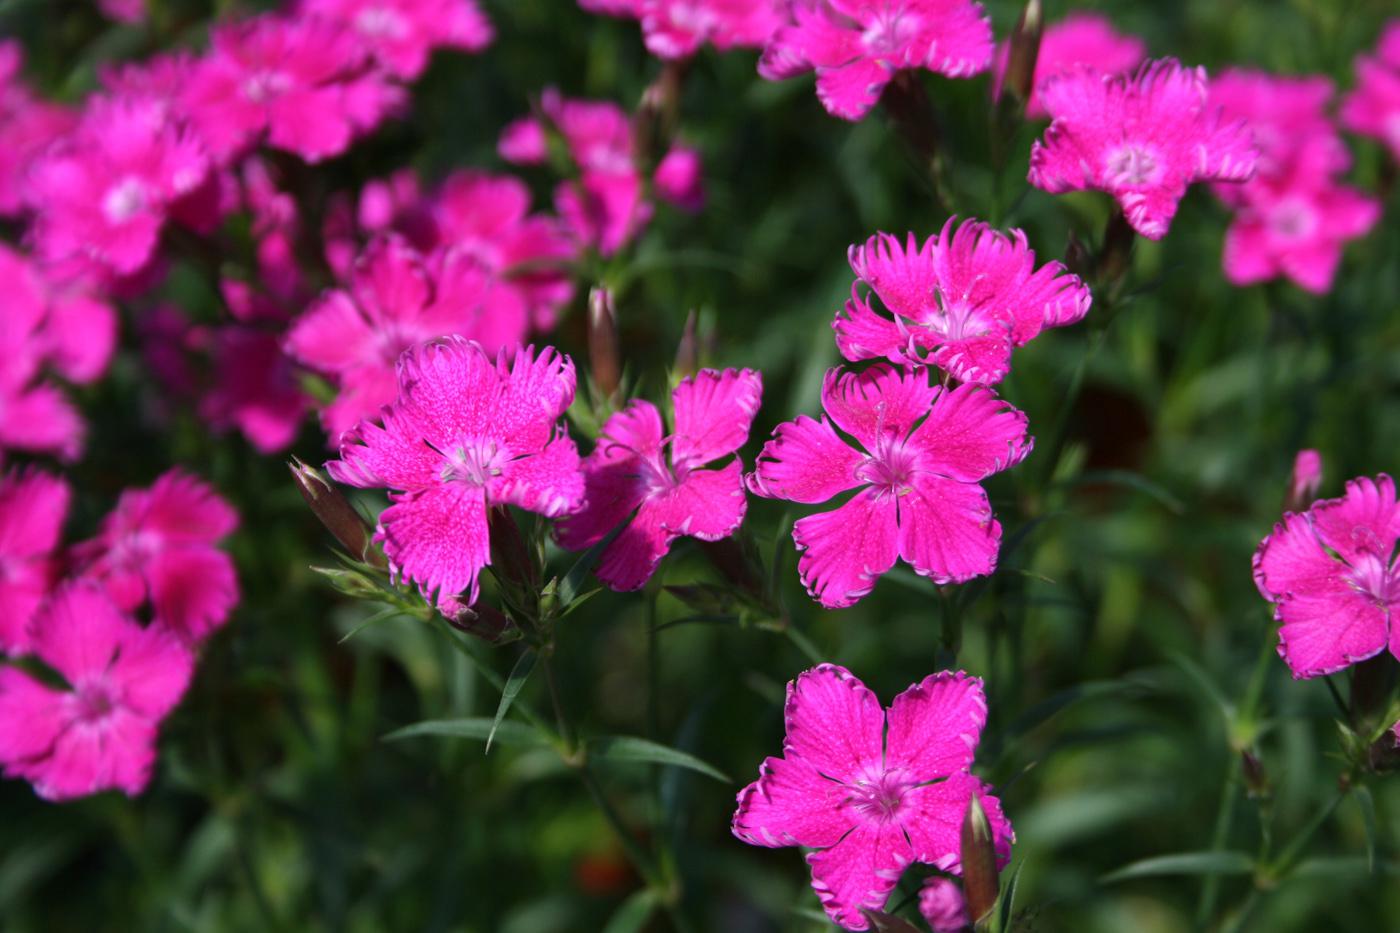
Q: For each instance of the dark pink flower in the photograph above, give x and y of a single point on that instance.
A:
(1143, 139)
(398, 299)
(27, 124)
(304, 83)
(1373, 107)
(1306, 480)
(33, 507)
(466, 433)
(943, 906)
(871, 790)
(160, 545)
(679, 179)
(254, 389)
(922, 452)
(677, 28)
(104, 192)
(1080, 39)
(857, 46)
(672, 495)
(1287, 115)
(403, 33)
(123, 11)
(963, 301)
(99, 733)
(1331, 576)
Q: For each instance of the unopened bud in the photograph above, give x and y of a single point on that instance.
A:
(979, 861)
(1025, 50)
(510, 557)
(604, 354)
(1078, 259)
(336, 513)
(482, 621)
(1116, 252)
(688, 350)
(1307, 479)
(1256, 781)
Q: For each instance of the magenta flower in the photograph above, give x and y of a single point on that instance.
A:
(871, 790)
(33, 507)
(674, 29)
(1330, 574)
(100, 732)
(922, 452)
(943, 906)
(160, 545)
(123, 11)
(1143, 139)
(255, 389)
(963, 301)
(1287, 115)
(673, 496)
(397, 300)
(679, 179)
(1373, 107)
(301, 82)
(1080, 39)
(857, 46)
(402, 33)
(104, 192)
(466, 433)
(1306, 480)
(27, 124)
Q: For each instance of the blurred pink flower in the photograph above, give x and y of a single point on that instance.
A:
(943, 906)
(33, 507)
(403, 33)
(1373, 107)
(964, 301)
(857, 46)
(254, 389)
(871, 790)
(100, 732)
(123, 11)
(673, 496)
(1080, 39)
(104, 192)
(160, 545)
(922, 452)
(679, 179)
(675, 29)
(1306, 480)
(1331, 576)
(1142, 138)
(28, 126)
(398, 299)
(466, 433)
(1287, 115)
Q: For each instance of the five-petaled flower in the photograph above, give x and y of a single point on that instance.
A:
(1331, 575)
(1142, 138)
(467, 433)
(673, 495)
(965, 299)
(871, 790)
(925, 450)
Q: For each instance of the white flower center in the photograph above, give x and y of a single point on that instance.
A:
(124, 200)
(889, 31)
(473, 462)
(263, 86)
(1131, 166)
(380, 22)
(1293, 219)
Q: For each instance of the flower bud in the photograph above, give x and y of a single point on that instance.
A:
(604, 354)
(1256, 781)
(1307, 479)
(1025, 49)
(979, 861)
(1116, 253)
(482, 621)
(336, 513)
(688, 351)
(510, 557)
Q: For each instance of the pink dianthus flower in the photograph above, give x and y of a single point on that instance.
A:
(1331, 576)
(33, 507)
(99, 732)
(857, 46)
(1080, 39)
(1373, 107)
(254, 388)
(943, 906)
(871, 790)
(963, 301)
(466, 433)
(923, 449)
(674, 29)
(1142, 138)
(673, 496)
(27, 124)
(402, 33)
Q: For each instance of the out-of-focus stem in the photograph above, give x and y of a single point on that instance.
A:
(906, 101)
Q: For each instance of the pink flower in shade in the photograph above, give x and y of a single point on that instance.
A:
(33, 507)
(1373, 107)
(466, 433)
(397, 300)
(402, 33)
(304, 83)
(1287, 114)
(100, 732)
(254, 389)
(673, 496)
(943, 906)
(857, 46)
(27, 124)
(679, 179)
(605, 210)
(160, 545)
(963, 301)
(1306, 480)
(1143, 139)
(104, 192)
(1080, 39)
(123, 11)
(871, 790)
(922, 452)
(1330, 574)
(675, 29)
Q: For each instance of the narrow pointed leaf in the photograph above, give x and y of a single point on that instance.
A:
(630, 748)
(476, 727)
(518, 675)
(1185, 863)
(634, 913)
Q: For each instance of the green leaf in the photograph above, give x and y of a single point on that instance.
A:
(631, 748)
(882, 922)
(1006, 903)
(1128, 480)
(475, 727)
(1367, 803)
(518, 675)
(1047, 708)
(1203, 680)
(634, 913)
(1185, 863)
(571, 584)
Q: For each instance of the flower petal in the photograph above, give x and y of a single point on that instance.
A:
(791, 804)
(436, 537)
(844, 551)
(860, 871)
(935, 724)
(834, 723)
(713, 412)
(970, 434)
(881, 401)
(947, 531)
(934, 819)
(1364, 521)
(805, 462)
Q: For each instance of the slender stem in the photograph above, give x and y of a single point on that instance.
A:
(1290, 855)
(1337, 698)
(1210, 887)
(566, 732)
(638, 856)
(653, 666)
(1071, 398)
(487, 673)
(1242, 914)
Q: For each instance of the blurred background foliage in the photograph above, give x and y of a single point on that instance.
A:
(1119, 639)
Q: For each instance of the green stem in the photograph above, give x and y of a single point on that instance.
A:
(1060, 434)
(487, 673)
(1210, 887)
(566, 732)
(641, 861)
(1294, 852)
